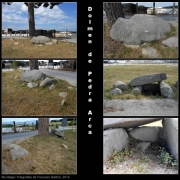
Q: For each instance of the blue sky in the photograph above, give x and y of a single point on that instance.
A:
(23, 119)
(157, 4)
(60, 18)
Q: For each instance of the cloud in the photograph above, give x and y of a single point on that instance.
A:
(17, 13)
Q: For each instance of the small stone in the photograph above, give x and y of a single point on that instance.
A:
(62, 102)
(64, 146)
(52, 87)
(15, 77)
(150, 52)
(63, 94)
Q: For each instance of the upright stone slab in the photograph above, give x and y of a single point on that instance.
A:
(147, 79)
(121, 85)
(43, 127)
(166, 90)
(148, 134)
(113, 140)
(126, 122)
(170, 126)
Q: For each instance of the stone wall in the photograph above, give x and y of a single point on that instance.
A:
(43, 127)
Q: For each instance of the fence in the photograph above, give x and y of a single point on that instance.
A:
(147, 62)
(15, 35)
(8, 128)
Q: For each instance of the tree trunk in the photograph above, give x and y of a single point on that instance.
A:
(113, 11)
(33, 64)
(31, 20)
(153, 8)
(43, 126)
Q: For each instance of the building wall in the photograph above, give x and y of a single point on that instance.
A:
(43, 126)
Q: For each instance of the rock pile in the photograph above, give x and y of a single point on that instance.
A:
(117, 130)
(144, 84)
(32, 76)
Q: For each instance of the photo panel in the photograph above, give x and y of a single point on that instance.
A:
(140, 30)
(39, 87)
(39, 30)
(140, 88)
(39, 146)
(140, 145)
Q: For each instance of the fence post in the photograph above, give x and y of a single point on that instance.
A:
(25, 125)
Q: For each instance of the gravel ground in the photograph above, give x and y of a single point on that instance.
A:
(140, 162)
(144, 107)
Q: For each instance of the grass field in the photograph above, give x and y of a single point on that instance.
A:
(25, 49)
(125, 73)
(116, 49)
(18, 99)
(46, 155)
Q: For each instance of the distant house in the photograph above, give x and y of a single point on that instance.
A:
(7, 30)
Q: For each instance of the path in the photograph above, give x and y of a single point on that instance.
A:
(144, 107)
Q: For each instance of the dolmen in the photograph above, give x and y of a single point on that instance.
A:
(116, 133)
(147, 83)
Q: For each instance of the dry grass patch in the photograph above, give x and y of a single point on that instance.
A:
(46, 155)
(18, 99)
(125, 73)
(25, 49)
(116, 49)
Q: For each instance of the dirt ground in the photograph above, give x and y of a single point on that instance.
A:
(142, 107)
(137, 161)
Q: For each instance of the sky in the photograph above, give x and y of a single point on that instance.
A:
(150, 4)
(23, 119)
(60, 18)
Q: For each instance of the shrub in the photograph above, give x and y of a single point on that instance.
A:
(166, 158)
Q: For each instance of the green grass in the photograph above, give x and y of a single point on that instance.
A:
(18, 99)
(116, 49)
(125, 73)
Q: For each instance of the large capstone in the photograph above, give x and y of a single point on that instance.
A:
(126, 122)
(147, 79)
(32, 75)
(40, 40)
(139, 28)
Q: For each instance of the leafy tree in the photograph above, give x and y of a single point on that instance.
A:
(113, 11)
(31, 7)
(15, 64)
